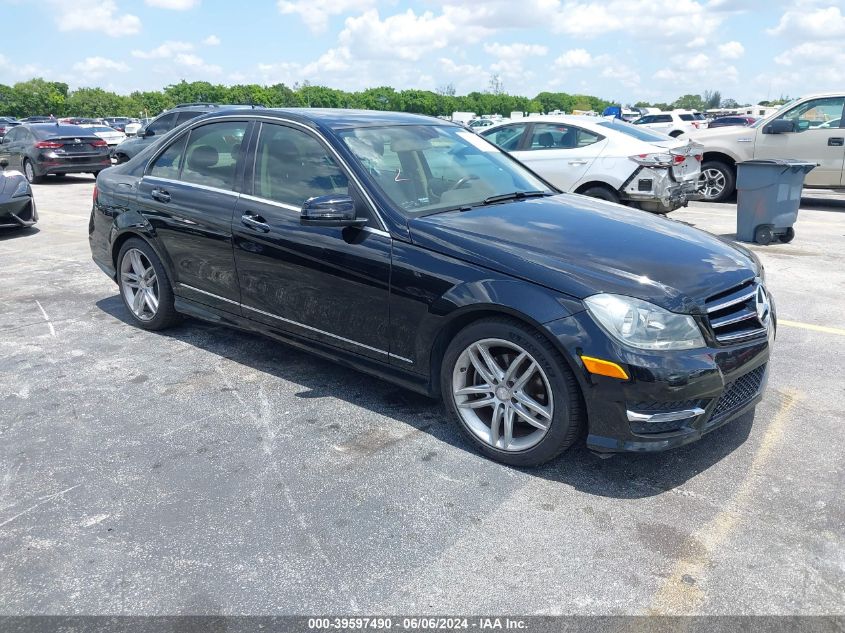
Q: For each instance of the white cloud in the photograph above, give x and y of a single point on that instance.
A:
(94, 67)
(731, 50)
(211, 40)
(575, 58)
(515, 50)
(316, 13)
(802, 24)
(176, 5)
(94, 15)
(164, 51)
(189, 60)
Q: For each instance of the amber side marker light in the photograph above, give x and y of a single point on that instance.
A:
(604, 368)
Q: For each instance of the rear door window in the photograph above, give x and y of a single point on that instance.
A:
(560, 136)
(213, 154)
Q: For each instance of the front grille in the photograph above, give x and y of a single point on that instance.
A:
(733, 314)
(739, 393)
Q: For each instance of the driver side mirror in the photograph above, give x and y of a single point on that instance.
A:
(3, 164)
(145, 132)
(331, 210)
(780, 126)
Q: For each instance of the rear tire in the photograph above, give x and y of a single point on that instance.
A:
(29, 172)
(602, 193)
(145, 287)
(717, 181)
(534, 411)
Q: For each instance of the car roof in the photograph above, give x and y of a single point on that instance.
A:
(338, 119)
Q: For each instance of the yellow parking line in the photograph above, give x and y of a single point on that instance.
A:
(810, 326)
(684, 591)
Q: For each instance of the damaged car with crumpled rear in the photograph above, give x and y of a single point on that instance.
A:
(605, 158)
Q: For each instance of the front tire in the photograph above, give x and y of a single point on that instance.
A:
(145, 287)
(717, 181)
(511, 393)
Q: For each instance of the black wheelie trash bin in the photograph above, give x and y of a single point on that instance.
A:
(768, 197)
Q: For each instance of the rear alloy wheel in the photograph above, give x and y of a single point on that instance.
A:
(716, 181)
(510, 392)
(29, 172)
(144, 286)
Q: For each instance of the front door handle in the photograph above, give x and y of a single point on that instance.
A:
(255, 222)
(160, 194)
(577, 162)
(836, 141)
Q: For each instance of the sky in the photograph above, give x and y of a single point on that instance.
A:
(623, 50)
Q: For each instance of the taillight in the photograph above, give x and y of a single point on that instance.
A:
(95, 194)
(47, 145)
(698, 157)
(99, 143)
(679, 158)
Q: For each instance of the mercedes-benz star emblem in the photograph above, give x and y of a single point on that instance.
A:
(764, 309)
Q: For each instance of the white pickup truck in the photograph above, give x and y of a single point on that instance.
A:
(810, 128)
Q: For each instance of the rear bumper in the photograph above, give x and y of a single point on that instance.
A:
(655, 189)
(672, 398)
(71, 165)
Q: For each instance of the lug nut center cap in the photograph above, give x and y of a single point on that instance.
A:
(503, 393)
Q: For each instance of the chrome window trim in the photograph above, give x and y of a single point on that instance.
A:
(228, 192)
(273, 203)
(297, 323)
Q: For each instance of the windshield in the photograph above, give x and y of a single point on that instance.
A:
(426, 169)
(639, 133)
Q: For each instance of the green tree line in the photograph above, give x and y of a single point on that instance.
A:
(40, 97)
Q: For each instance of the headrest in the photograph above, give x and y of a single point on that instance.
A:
(202, 158)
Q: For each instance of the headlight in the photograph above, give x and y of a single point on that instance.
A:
(22, 189)
(642, 324)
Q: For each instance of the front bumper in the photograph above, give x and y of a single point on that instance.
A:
(672, 397)
(18, 213)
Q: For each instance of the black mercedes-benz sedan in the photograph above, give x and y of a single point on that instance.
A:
(415, 250)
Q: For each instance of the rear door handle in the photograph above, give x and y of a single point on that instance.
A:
(160, 194)
(836, 141)
(577, 162)
(255, 222)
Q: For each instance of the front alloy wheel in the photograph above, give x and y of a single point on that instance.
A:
(139, 284)
(712, 183)
(502, 395)
(511, 392)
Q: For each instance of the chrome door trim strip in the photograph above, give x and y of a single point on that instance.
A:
(298, 324)
(210, 294)
(190, 184)
(272, 203)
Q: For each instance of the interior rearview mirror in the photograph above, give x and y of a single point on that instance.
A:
(331, 210)
(779, 126)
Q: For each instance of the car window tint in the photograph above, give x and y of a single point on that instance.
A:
(181, 117)
(163, 124)
(506, 137)
(662, 118)
(814, 113)
(560, 136)
(292, 166)
(687, 117)
(212, 153)
(168, 163)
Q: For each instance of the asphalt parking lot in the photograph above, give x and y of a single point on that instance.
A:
(204, 470)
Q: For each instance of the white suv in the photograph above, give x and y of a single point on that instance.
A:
(674, 123)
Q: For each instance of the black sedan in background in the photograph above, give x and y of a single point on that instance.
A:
(17, 206)
(727, 121)
(39, 149)
(417, 251)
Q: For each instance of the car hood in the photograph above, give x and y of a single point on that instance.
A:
(581, 246)
(727, 134)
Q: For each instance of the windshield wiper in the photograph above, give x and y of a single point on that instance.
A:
(515, 195)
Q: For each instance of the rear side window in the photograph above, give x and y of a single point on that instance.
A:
(662, 118)
(186, 116)
(163, 124)
(169, 162)
(212, 154)
(687, 117)
(507, 137)
(561, 136)
(292, 166)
